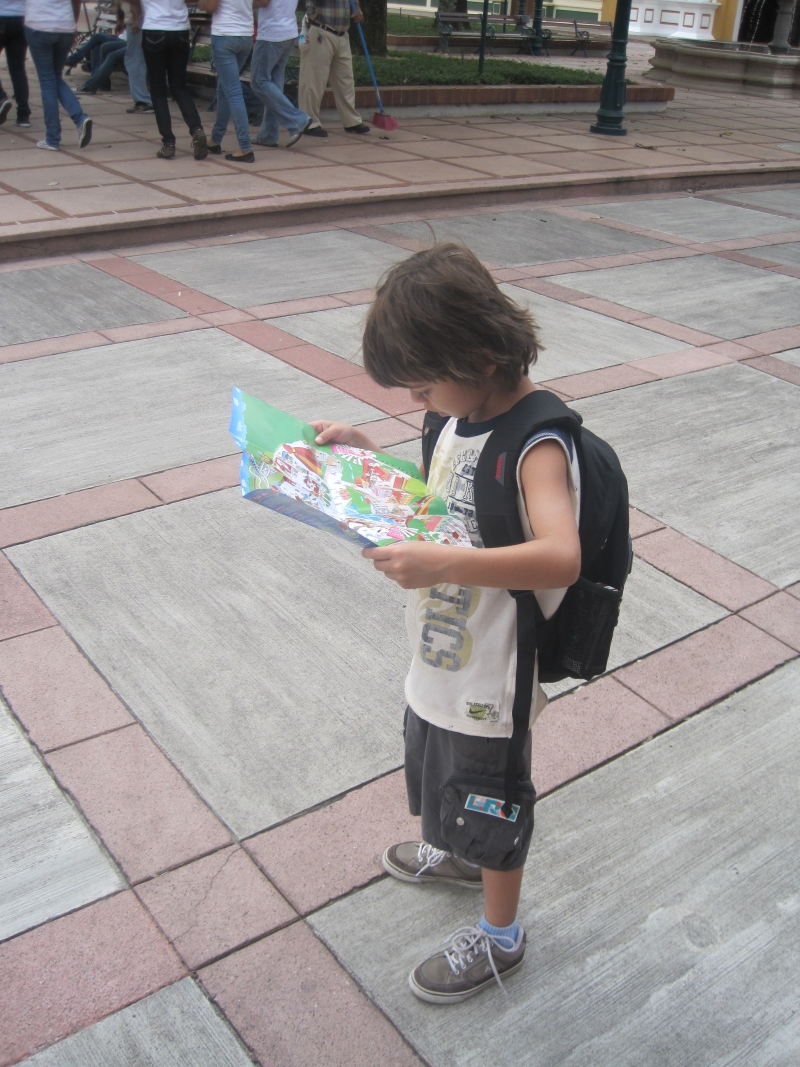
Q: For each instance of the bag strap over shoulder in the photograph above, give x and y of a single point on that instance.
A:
(432, 427)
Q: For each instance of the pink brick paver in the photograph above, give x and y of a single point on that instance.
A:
(767, 344)
(72, 972)
(640, 524)
(55, 692)
(27, 522)
(262, 335)
(794, 590)
(392, 401)
(320, 856)
(778, 368)
(606, 380)
(318, 363)
(146, 814)
(21, 611)
(388, 432)
(51, 346)
(294, 1006)
(702, 569)
(686, 362)
(704, 667)
(214, 905)
(194, 479)
(779, 616)
(155, 329)
(588, 726)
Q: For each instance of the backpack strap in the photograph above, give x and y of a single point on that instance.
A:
(497, 514)
(432, 427)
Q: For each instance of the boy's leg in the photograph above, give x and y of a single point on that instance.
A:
(501, 891)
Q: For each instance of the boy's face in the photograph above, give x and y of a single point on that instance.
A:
(449, 397)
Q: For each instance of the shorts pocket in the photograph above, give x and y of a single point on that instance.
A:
(473, 824)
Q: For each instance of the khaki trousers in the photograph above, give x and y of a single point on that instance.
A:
(327, 59)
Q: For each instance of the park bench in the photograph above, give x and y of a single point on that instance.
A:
(512, 31)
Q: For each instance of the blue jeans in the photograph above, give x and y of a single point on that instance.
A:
(90, 47)
(49, 52)
(266, 81)
(137, 68)
(230, 55)
(108, 58)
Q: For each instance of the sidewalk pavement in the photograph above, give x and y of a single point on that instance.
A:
(200, 728)
(117, 183)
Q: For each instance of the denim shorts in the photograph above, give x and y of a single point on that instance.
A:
(454, 782)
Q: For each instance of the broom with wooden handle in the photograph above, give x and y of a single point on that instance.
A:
(380, 118)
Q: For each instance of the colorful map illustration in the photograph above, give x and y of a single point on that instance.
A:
(366, 497)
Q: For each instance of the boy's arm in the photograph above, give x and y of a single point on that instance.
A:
(552, 561)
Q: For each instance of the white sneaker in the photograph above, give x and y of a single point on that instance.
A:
(45, 145)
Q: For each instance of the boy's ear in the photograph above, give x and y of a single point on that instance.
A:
(489, 369)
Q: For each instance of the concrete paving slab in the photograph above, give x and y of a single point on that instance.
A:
(699, 220)
(788, 254)
(576, 340)
(715, 296)
(678, 437)
(176, 1027)
(338, 330)
(102, 414)
(49, 861)
(661, 911)
(782, 201)
(792, 356)
(281, 268)
(518, 238)
(656, 610)
(72, 298)
(250, 646)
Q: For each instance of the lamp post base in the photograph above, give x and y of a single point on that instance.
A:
(609, 131)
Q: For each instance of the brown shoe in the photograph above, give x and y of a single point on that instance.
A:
(471, 961)
(416, 862)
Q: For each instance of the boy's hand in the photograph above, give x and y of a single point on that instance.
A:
(412, 564)
(342, 434)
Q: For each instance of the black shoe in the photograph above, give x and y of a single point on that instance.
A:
(83, 90)
(315, 131)
(361, 128)
(248, 157)
(199, 144)
(214, 149)
(5, 107)
(139, 109)
(166, 151)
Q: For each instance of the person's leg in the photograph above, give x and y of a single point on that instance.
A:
(110, 56)
(136, 69)
(315, 64)
(154, 50)
(342, 84)
(82, 51)
(230, 55)
(177, 58)
(266, 78)
(41, 46)
(66, 97)
(501, 896)
(16, 49)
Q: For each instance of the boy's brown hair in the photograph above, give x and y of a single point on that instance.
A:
(439, 314)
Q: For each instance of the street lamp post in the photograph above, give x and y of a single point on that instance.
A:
(612, 96)
(484, 23)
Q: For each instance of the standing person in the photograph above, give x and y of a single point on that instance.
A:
(231, 44)
(441, 327)
(12, 39)
(49, 29)
(134, 63)
(166, 47)
(277, 34)
(328, 58)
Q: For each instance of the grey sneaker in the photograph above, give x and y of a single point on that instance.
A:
(416, 861)
(470, 961)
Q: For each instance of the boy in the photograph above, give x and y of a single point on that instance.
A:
(441, 327)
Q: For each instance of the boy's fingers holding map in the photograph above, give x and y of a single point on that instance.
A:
(342, 434)
(413, 564)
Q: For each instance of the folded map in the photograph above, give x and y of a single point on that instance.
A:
(366, 497)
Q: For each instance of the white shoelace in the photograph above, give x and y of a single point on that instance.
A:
(430, 856)
(467, 943)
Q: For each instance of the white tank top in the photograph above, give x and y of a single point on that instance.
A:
(464, 638)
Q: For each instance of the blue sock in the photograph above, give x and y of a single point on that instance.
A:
(511, 932)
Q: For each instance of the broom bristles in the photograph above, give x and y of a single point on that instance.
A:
(384, 121)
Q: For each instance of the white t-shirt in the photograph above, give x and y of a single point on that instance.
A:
(277, 21)
(12, 9)
(233, 18)
(52, 16)
(165, 15)
(464, 638)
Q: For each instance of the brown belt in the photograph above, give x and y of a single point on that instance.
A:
(330, 29)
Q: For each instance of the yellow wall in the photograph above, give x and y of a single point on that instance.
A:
(723, 19)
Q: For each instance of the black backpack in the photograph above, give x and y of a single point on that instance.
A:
(575, 641)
